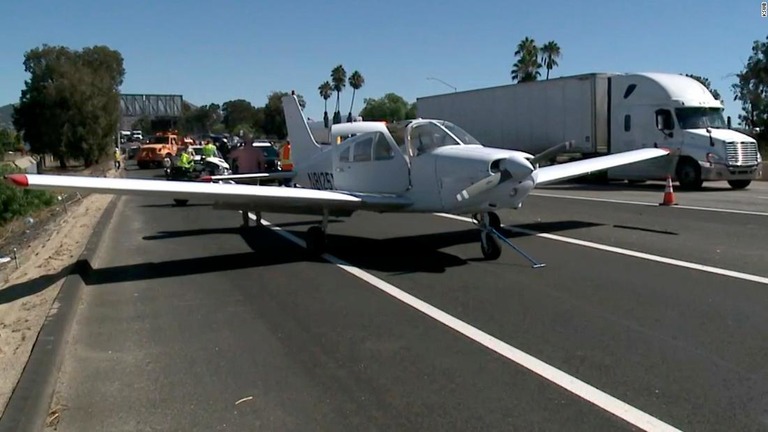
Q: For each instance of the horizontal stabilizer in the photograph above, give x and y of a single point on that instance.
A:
(569, 170)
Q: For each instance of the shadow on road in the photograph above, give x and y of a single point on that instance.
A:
(397, 255)
(21, 290)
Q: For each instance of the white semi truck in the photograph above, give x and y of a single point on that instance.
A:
(610, 113)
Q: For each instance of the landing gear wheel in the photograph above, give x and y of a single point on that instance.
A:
(180, 202)
(489, 246)
(316, 240)
(246, 219)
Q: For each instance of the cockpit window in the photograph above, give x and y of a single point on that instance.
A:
(460, 133)
(425, 137)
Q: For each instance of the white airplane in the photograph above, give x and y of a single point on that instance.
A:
(413, 166)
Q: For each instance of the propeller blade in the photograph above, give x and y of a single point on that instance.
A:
(483, 185)
(551, 152)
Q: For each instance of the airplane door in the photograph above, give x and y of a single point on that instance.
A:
(371, 163)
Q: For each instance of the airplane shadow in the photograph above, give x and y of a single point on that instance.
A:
(398, 255)
(25, 289)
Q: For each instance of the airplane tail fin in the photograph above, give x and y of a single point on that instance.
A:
(303, 144)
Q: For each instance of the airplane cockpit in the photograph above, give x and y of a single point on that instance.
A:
(424, 136)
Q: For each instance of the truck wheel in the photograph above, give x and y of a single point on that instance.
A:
(689, 174)
(739, 184)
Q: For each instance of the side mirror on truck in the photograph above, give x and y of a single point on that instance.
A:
(664, 122)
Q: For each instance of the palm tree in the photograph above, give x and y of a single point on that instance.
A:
(550, 52)
(326, 90)
(527, 66)
(356, 81)
(339, 80)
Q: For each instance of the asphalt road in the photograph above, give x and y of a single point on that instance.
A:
(184, 315)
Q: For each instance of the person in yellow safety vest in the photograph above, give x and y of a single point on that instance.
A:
(118, 158)
(186, 160)
(285, 161)
(209, 150)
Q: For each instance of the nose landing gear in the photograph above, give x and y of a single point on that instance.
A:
(490, 224)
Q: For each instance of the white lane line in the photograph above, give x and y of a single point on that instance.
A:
(574, 385)
(642, 255)
(712, 209)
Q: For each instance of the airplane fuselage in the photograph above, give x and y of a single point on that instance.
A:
(431, 181)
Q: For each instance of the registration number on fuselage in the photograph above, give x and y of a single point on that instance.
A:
(321, 180)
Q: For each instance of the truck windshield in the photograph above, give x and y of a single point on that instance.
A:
(700, 118)
(158, 140)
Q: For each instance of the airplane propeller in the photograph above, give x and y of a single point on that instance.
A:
(551, 152)
(509, 167)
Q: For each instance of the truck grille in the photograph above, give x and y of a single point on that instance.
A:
(741, 154)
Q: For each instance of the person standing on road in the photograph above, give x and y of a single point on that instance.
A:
(118, 158)
(209, 150)
(248, 159)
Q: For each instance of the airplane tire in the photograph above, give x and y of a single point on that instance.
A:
(489, 246)
(315, 240)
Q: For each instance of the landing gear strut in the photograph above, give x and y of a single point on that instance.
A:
(316, 241)
(247, 218)
(490, 224)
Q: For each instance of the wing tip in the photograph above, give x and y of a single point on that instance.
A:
(20, 180)
(205, 179)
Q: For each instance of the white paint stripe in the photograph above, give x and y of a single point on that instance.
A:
(756, 213)
(574, 385)
(642, 255)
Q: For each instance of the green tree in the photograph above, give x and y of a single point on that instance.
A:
(356, 81)
(390, 108)
(550, 52)
(326, 90)
(338, 81)
(70, 106)
(527, 67)
(274, 117)
(8, 140)
(236, 113)
(705, 82)
(751, 88)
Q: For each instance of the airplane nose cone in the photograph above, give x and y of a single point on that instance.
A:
(518, 167)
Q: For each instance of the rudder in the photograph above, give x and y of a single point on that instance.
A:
(303, 145)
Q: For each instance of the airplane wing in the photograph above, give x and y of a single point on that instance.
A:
(224, 195)
(249, 178)
(569, 170)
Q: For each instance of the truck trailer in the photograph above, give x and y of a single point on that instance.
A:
(607, 113)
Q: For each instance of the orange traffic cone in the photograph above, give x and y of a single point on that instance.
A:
(669, 194)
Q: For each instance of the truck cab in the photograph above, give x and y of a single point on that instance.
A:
(679, 113)
(158, 147)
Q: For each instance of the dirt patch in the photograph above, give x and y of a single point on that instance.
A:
(46, 248)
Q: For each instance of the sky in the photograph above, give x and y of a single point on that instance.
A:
(217, 51)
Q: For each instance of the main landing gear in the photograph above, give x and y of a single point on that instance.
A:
(490, 224)
(316, 242)
(247, 218)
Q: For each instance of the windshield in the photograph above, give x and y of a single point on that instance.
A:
(198, 150)
(700, 118)
(460, 133)
(425, 137)
(158, 140)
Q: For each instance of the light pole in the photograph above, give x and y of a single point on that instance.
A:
(439, 80)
